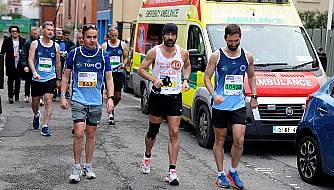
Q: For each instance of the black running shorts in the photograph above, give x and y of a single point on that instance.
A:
(41, 88)
(222, 118)
(165, 105)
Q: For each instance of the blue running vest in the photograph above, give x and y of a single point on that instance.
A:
(88, 75)
(45, 62)
(229, 81)
(116, 56)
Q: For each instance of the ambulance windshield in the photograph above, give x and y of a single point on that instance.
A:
(270, 45)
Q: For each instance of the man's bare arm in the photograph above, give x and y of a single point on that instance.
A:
(31, 58)
(149, 59)
(125, 54)
(110, 83)
(58, 63)
(209, 71)
(186, 66)
(251, 73)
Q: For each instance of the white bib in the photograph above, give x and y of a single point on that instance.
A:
(233, 85)
(45, 64)
(87, 79)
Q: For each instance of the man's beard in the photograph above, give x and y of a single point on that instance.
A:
(168, 44)
(231, 48)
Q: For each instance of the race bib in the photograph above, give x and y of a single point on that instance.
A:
(87, 79)
(115, 61)
(233, 84)
(45, 64)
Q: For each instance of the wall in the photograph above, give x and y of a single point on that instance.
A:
(125, 11)
(303, 5)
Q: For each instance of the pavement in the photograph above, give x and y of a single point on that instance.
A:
(31, 161)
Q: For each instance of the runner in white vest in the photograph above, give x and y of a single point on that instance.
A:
(168, 60)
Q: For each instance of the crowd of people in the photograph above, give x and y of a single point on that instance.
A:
(50, 64)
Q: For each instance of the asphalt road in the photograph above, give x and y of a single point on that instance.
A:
(31, 161)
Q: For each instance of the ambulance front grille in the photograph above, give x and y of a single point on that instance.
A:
(281, 112)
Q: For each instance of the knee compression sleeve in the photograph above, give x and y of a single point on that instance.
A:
(153, 130)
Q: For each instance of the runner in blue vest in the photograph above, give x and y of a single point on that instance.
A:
(119, 55)
(89, 65)
(44, 62)
(230, 65)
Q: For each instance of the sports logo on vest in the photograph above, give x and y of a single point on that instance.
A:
(175, 64)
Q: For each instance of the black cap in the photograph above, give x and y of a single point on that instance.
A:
(169, 28)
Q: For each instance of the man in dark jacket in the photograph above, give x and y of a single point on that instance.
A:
(27, 74)
(11, 48)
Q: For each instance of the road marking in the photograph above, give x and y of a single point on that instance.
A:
(263, 169)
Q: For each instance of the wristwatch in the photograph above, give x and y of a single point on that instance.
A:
(111, 97)
(254, 96)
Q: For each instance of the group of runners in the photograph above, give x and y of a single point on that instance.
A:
(95, 68)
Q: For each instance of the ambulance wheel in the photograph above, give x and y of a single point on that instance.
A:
(144, 100)
(205, 133)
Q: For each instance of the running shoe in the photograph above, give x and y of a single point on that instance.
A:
(87, 171)
(26, 99)
(146, 165)
(36, 121)
(75, 175)
(235, 180)
(222, 181)
(46, 131)
(111, 119)
(11, 101)
(171, 177)
(41, 102)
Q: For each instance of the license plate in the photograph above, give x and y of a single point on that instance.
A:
(284, 129)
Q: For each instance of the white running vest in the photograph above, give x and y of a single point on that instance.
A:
(172, 68)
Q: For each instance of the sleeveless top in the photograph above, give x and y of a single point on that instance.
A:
(169, 70)
(45, 62)
(88, 74)
(229, 80)
(116, 56)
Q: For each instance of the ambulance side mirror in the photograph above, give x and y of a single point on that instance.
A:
(197, 60)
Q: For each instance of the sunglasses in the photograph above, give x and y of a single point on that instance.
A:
(88, 26)
(14, 31)
(113, 35)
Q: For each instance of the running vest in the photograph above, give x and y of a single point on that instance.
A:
(45, 62)
(88, 75)
(229, 80)
(116, 56)
(169, 70)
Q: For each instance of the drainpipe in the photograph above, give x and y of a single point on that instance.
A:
(76, 21)
(329, 23)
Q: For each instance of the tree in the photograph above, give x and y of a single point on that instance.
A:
(314, 19)
(3, 7)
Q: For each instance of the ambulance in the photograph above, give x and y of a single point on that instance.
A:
(286, 64)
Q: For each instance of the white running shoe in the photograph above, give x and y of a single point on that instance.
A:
(87, 171)
(171, 177)
(75, 175)
(41, 102)
(146, 165)
(26, 99)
